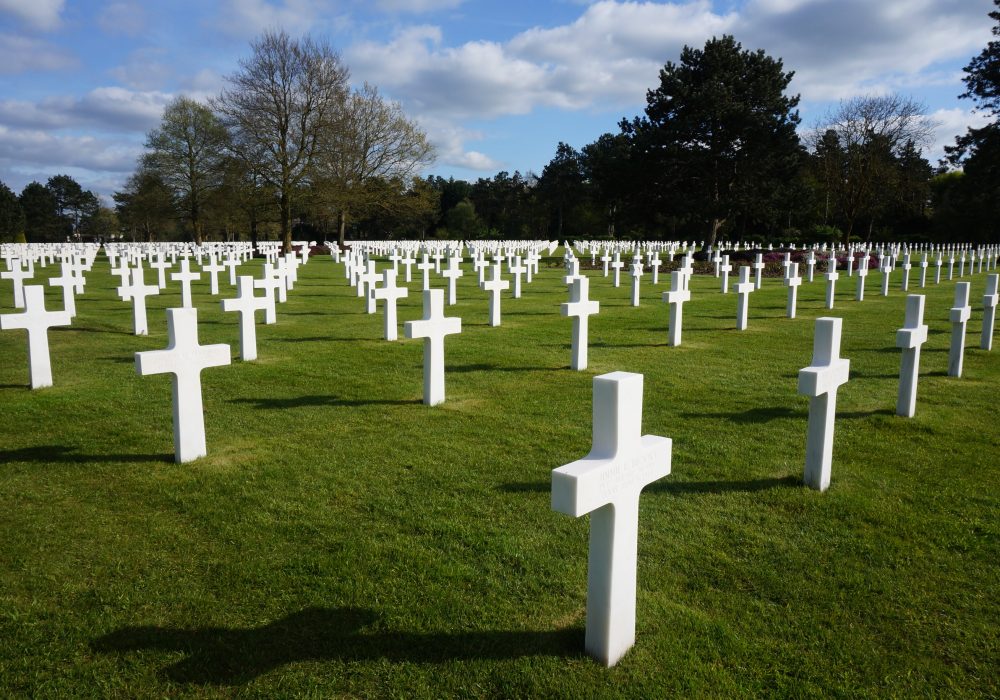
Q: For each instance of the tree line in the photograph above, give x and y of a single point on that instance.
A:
(718, 153)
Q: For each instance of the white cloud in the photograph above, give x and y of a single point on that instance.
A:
(416, 6)
(244, 18)
(449, 143)
(21, 54)
(127, 18)
(112, 109)
(145, 69)
(50, 152)
(949, 124)
(850, 47)
(40, 14)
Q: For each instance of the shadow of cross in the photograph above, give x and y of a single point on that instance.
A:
(223, 656)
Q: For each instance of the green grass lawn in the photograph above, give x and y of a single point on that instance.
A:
(342, 539)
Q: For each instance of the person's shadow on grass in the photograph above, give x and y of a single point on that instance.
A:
(222, 656)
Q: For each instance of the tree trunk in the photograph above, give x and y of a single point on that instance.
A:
(341, 227)
(714, 232)
(285, 214)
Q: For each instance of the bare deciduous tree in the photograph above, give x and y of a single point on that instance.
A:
(370, 139)
(280, 106)
(870, 132)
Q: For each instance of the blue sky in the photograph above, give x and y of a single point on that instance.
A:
(495, 84)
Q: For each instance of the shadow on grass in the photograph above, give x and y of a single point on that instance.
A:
(223, 656)
(866, 414)
(678, 487)
(484, 367)
(319, 338)
(64, 454)
(755, 415)
(317, 400)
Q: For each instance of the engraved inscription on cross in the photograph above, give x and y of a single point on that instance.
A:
(606, 483)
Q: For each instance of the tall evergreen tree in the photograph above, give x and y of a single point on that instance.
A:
(977, 151)
(11, 215)
(718, 137)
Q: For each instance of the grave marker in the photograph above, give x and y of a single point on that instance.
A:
(580, 306)
(37, 321)
(831, 279)
(989, 311)
(247, 304)
(678, 294)
(494, 287)
(792, 282)
(433, 327)
(137, 290)
(607, 483)
(959, 316)
(910, 337)
(390, 293)
(184, 358)
(743, 289)
(820, 381)
(185, 277)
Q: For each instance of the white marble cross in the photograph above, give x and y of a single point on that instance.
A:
(580, 306)
(743, 289)
(247, 305)
(433, 327)
(572, 271)
(938, 263)
(66, 280)
(494, 286)
(515, 268)
(820, 382)
(617, 265)
(758, 268)
(369, 278)
(654, 265)
(989, 311)
(831, 279)
(607, 483)
(270, 283)
(452, 273)
(792, 282)
(810, 265)
(862, 274)
(425, 266)
(886, 270)
(18, 274)
(724, 269)
(161, 266)
(137, 290)
(184, 358)
(923, 271)
(636, 272)
(605, 259)
(675, 298)
(407, 261)
(390, 293)
(959, 316)
(906, 272)
(37, 321)
(231, 262)
(213, 268)
(910, 337)
(186, 277)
